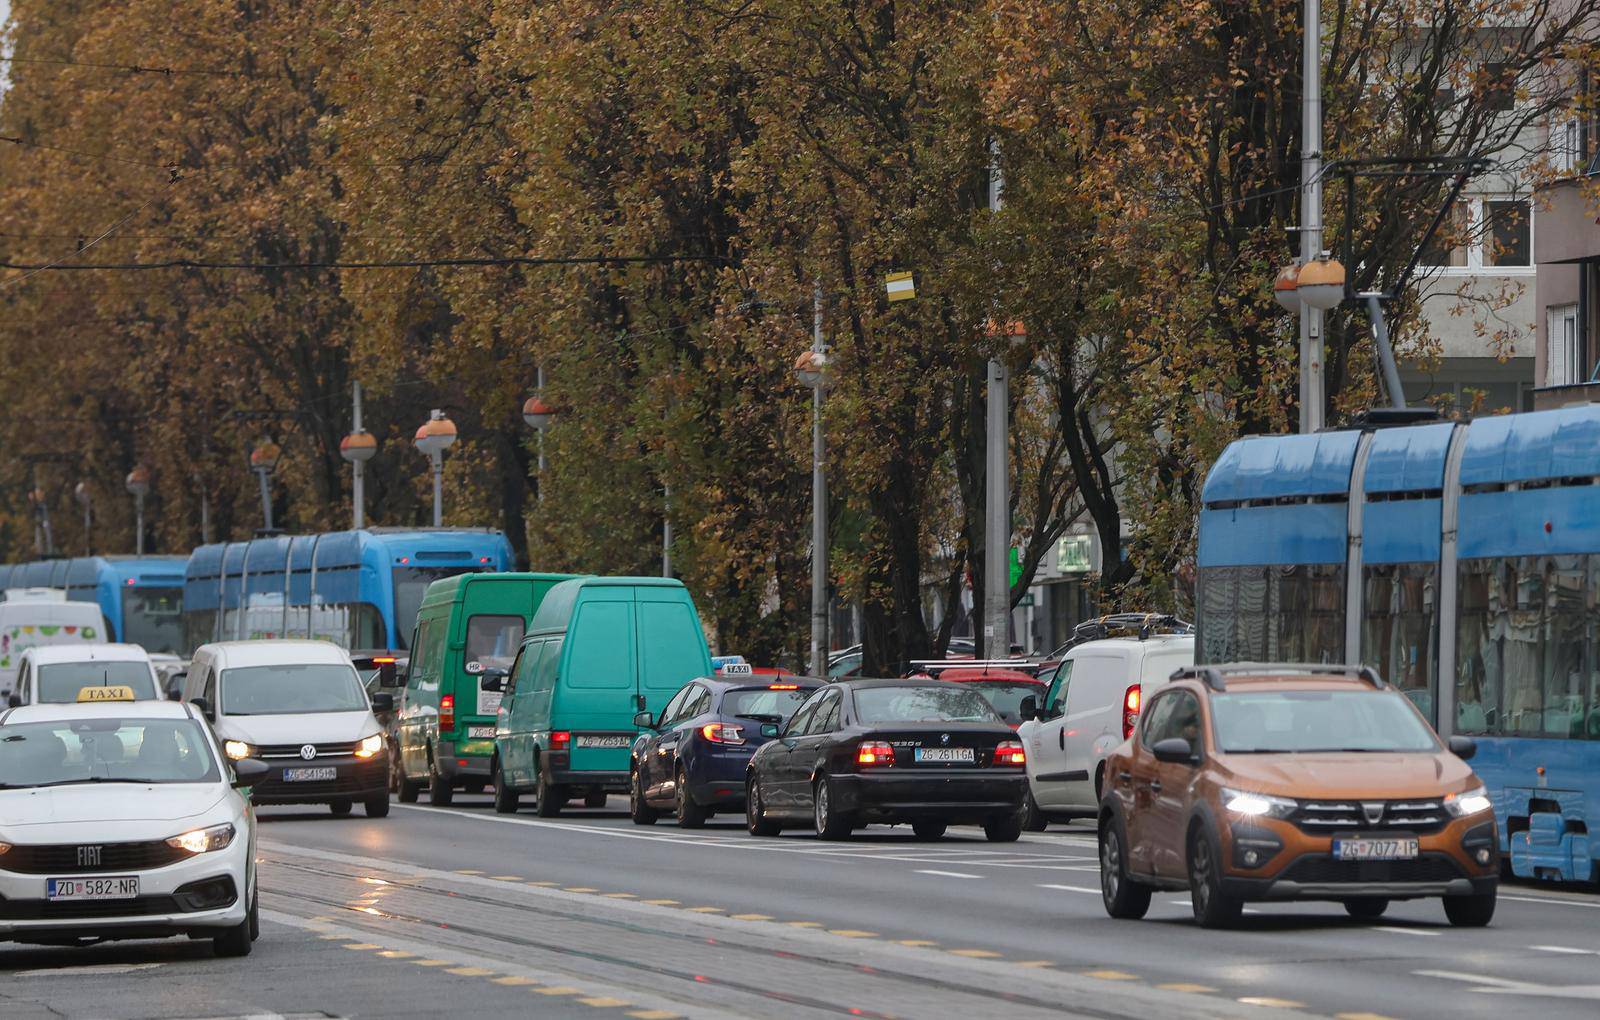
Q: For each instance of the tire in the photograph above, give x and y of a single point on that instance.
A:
(1470, 911)
(1124, 898)
(549, 798)
(255, 918)
(830, 823)
(376, 807)
(408, 791)
(506, 800)
(1366, 908)
(341, 808)
(929, 828)
(1033, 820)
(638, 809)
(595, 799)
(237, 941)
(1005, 829)
(1212, 907)
(690, 814)
(440, 792)
(755, 810)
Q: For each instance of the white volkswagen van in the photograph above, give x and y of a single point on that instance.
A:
(300, 707)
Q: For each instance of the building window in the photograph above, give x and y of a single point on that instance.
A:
(1566, 146)
(1484, 235)
(1508, 237)
(1499, 87)
(1563, 362)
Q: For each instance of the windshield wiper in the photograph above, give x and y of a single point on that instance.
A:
(91, 779)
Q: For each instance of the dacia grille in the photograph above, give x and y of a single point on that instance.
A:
(1326, 817)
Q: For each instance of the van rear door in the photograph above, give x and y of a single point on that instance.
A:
(672, 647)
(595, 695)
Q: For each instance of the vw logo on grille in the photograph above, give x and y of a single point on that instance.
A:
(944, 738)
(308, 751)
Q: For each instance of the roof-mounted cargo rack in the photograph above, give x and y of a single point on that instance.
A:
(1126, 625)
(936, 666)
(1214, 675)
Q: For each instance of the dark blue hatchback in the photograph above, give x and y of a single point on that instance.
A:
(692, 761)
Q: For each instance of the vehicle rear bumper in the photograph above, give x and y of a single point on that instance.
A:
(956, 797)
(454, 763)
(716, 779)
(609, 781)
(357, 779)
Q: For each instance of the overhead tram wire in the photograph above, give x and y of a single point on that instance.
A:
(267, 267)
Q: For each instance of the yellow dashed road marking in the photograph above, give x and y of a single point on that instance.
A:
(468, 871)
(917, 942)
(1185, 986)
(853, 933)
(360, 945)
(976, 954)
(1266, 1000)
(1362, 1016)
(705, 910)
(558, 990)
(1111, 975)
(620, 896)
(752, 917)
(543, 885)
(654, 1014)
(470, 971)
(332, 938)
(507, 878)
(663, 903)
(431, 963)
(803, 924)
(514, 980)
(1036, 963)
(580, 888)
(397, 954)
(601, 1002)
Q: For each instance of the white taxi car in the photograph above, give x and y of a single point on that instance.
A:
(122, 819)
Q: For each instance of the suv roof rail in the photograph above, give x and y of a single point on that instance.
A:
(1209, 675)
(1366, 673)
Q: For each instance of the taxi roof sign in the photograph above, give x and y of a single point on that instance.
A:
(107, 693)
(736, 669)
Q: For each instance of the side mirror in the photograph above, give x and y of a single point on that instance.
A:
(383, 701)
(205, 708)
(1030, 708)
(769, 729)
(389, 676)
(14, 700)
(644, 720)
(492, 679)
(1463, 747)
(1175, 750)
(175, 695)
(249, 771)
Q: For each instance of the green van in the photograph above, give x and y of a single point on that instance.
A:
(599, 651)
(468, 626)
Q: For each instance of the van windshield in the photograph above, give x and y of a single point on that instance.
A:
(60, 682)
(1264, 722)
(493, 640)
(291, 690)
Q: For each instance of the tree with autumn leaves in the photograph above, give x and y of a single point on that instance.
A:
(658, 191)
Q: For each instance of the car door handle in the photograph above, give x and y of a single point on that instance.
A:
(1061, 737)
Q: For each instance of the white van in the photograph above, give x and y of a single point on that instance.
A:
(300, 707)
(54, 674)
(34, 617)
(1090, 708)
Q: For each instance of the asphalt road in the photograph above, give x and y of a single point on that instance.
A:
(434, 911)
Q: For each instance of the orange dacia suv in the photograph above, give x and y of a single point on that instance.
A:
(1280, 782)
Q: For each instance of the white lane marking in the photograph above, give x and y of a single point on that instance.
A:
(1547, 899)
(1505, 986)
(102, 968)
(1567, 949)
(946, 874)
(1071, 888)
(1402, 931)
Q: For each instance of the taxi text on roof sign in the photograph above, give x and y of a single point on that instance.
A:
(105, 694)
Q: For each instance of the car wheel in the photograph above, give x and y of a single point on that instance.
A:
(440, 792)
(594, 799)
(690, 814)
(1366, 908)
(1470, 911)
(638, 809)
(376, 807)
(1122, 896)
(1005, 829)
(1033, 820)
(236, 941)
(408, 791)
(1213, 908)
(755, 812)
(506, 800)
(340, 808)
(929, 828)
(831, 823)
(549, 798)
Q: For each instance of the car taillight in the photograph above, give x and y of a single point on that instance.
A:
(1010, 753)
(1130, 711)
(783, 687)
(447, 713)
(722, 733)
(560, 740)
(875, 753)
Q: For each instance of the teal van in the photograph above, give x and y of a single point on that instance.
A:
(599, 651)
(469, 626)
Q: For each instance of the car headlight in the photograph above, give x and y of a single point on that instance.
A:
(202, 840)
(5, 847)
(1258, 805)
(369, 746)
(1469, 802)
(237, 749)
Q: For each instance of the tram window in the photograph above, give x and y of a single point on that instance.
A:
(1291, 613)
(1399, 635)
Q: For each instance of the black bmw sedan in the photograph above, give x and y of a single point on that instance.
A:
(862, 751)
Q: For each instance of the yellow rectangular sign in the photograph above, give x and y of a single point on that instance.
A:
(105, 694)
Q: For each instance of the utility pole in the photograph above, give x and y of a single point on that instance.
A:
(358, 468)
(819, 507)
(997, 489)
(1312, 398)
(666, 529)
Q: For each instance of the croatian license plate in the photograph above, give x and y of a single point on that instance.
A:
(309, 775)
(958, 754)
(1374, 849)
(480, 732)
(123, 888)
(616, 741)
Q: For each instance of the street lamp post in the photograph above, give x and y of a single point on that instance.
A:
(262, 461)
(433, 438)
(80, 492)
(539, 414)
(138, 484)
(358, 447)
(811, 369)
